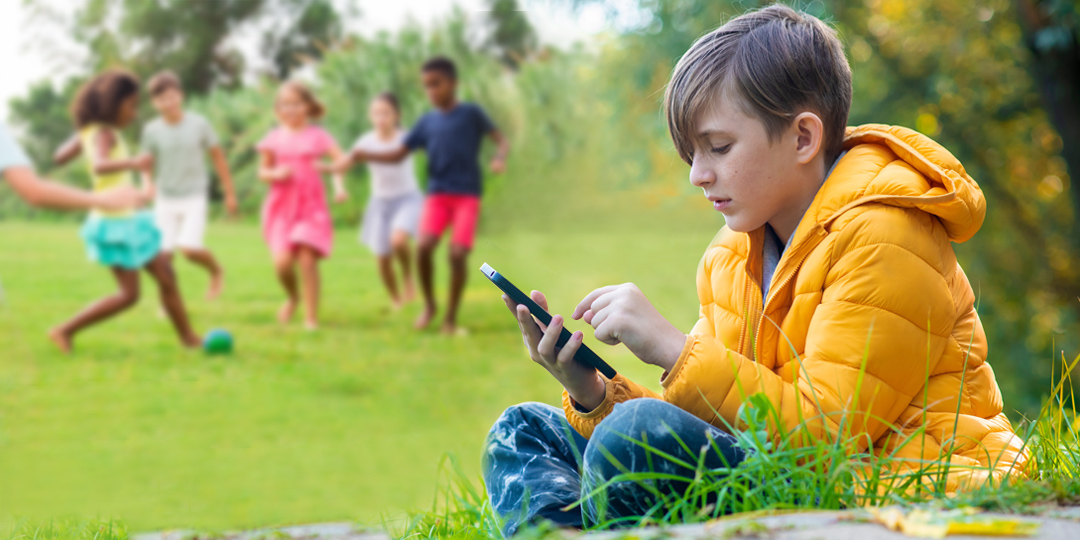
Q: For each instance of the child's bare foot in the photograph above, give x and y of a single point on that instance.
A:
(62, 340)
(217, 284)
(425, 317)
(311, 326)
(452, 329)
(285, 314)
(396, 304)
(410, 293)
(191, 342)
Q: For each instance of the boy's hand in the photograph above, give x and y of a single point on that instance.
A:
(581, 381)
(231, 205)
(622, 314)
(341, 196)
(147, 190)
(498, 166)
(144, 163)
(339, 166)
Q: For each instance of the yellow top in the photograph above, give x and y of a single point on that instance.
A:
(102, 182)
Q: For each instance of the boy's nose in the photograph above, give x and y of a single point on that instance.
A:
(701, 176)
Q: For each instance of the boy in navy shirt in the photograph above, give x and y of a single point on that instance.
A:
(451, 135)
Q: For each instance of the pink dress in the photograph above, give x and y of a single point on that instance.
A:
(295, 211)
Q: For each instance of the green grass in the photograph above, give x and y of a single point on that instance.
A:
(831, 474)
(354, 422)
(347, 423)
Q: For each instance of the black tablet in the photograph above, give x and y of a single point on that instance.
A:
(583, 355)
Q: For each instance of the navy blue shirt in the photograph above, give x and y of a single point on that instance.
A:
(452, 142)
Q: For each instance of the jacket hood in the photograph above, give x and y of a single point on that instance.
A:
(898, 166)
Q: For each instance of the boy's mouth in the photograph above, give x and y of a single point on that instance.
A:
(720, 204)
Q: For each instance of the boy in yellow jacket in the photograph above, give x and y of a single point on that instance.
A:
(833, 290)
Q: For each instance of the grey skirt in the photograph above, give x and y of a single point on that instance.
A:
(384, 215)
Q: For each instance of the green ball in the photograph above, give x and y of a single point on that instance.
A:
(218, 341)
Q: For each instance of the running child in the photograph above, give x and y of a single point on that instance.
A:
(393, 208)
(833, 291)
(178, 140)
(451, 135)
(125, 240)
(295, 217)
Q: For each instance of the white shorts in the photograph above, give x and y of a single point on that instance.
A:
(182, 222)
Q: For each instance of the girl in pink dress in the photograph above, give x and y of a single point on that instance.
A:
(295, 218)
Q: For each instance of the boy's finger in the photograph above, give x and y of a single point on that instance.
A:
(566, 354)
(528, 326)
(587, 302)
(540, 299)
(599, 317)
(603, 301)
(547, 344)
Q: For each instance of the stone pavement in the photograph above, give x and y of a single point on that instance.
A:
(831, 525)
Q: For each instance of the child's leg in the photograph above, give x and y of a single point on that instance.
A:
(386, 272)
(127, 296)
(399, 246)
(285, 268)
(425, 250)
(635, 438)
(161, 270)
(189, 238)
(530, 463)
(309, 283)
(465, 217)
(205, 259)
(459, 259)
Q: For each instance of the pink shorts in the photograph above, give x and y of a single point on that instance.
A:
(442, 210)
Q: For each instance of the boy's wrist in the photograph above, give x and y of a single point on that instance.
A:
(590, 394)
(670, 349)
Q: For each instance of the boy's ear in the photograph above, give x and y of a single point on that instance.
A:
(808, 130)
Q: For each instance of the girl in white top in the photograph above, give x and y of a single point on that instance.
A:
(393, 210)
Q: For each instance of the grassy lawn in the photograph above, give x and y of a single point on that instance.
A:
(349, 422)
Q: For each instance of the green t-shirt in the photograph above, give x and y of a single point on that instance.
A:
(179, 154)
(11, 154)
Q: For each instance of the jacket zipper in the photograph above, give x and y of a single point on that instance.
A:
(806, 248)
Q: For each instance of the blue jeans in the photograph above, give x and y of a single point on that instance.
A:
(535, 464)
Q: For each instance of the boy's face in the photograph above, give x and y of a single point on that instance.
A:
(168, 103)
(747, 177)
(439, 88)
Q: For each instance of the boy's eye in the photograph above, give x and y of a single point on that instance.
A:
(721, 150)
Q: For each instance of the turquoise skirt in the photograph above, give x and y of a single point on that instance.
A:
(128, 242)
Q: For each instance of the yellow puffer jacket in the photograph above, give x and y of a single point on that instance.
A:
(869, 318)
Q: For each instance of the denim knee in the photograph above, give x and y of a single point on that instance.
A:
(514, 418)
(623, 433)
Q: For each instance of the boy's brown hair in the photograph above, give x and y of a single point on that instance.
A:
(440, 64)
(316, 110)
(162, 82)
(775, 62)
(99, 100)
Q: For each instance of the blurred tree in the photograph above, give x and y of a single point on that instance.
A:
(511, 38)
(197, 39)
(1052, 34)
(311, 27)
